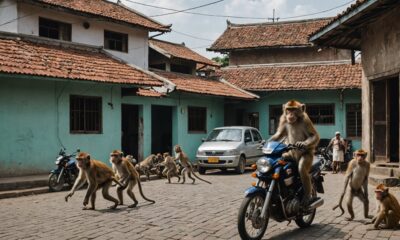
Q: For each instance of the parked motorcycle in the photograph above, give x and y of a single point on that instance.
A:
(326, 158)
(278, 193)
(66, 171)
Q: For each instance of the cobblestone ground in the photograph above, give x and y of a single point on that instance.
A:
(199, 211)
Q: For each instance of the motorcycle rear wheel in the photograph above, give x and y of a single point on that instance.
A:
(53, 185)
(306, 220)
(249, 220)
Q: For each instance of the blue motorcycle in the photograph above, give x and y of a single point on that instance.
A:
(66, 171)
(278, 193)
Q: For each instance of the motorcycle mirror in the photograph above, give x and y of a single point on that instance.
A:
(78, 150)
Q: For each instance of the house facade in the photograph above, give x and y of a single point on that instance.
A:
(277, 62)
(372, 28)
(75, 74)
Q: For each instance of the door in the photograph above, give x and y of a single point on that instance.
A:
(161, 129)
(130, 130)
(393, 119)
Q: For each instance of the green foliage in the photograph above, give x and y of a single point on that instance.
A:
(224, 60)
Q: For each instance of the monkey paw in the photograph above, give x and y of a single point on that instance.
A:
(113, 206)
(349, 218)
(132, 205)
(87, 208)
(369, 217)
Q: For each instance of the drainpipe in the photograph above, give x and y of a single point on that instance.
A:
(341, 99)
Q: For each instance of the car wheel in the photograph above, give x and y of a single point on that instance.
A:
(241, 165)
(202, 170)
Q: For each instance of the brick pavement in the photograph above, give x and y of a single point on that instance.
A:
(199, 211)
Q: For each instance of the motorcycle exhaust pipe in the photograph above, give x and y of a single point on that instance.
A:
(316, 204)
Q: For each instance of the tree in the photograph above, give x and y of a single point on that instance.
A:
(224, 60)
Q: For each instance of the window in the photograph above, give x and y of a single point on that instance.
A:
(321, 113)
(353, 120)
(160, 66)
(54, 29)
(247, 136)
(275, 112)
(116, 41)
(253, 119)
(256, 136)
(197, 120)
(85, 114)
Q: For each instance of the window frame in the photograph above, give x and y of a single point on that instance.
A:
(60, 25)
(271, 110)
(100, 115)
(125, 40)
(310, 105)
(189, 109)
(348, 106)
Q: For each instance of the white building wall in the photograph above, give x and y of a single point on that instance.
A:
(94, 35)
(8, 16)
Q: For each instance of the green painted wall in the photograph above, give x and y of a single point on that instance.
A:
(326, 96)
(34, 121)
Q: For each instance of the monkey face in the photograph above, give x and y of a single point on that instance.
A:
(177, 149)
(83, 159)
(292, 115)
(116, 157)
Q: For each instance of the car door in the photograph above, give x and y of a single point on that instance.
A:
(248, 146)
(257, 140)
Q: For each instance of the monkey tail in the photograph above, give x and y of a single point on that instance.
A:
(340, 206)
(200, 178)
(141, 193)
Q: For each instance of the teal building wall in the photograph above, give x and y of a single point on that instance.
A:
(337, 97)
(34, 121)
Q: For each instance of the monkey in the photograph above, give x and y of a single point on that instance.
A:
(357, 178)
(388, 209)
(148, 163)
(170, 169)
(295, 127)
(187, 166)
(98, 175)
(129, 177)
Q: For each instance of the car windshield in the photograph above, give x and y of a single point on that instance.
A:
(228, 135)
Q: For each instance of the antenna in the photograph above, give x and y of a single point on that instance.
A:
(273, 16)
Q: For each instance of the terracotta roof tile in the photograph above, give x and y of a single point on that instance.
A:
(103, 8)
(179, 51)
(194, 84)
(149, 93)
(306, 77)
(263, 35)
(66, 61)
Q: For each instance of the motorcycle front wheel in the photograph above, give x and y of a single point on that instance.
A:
(250, 224)
(53, 185)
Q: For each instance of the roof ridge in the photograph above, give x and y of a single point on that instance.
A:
(230, 24)
(292, 64)
(160, 40)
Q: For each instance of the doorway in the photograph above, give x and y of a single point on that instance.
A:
(161, 129)
(385, 120)
(130, 130)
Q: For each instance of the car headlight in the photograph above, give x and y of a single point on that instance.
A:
(263, 165)
(232, 152)
(201, 153)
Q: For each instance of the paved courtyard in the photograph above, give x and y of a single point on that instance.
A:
(199, 211)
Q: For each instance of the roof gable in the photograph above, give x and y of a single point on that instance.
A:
(175, 50)
(267, 35)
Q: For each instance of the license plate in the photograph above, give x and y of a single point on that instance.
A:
(213, 160)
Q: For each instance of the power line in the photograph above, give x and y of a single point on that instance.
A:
(233, 16)
(192, 36)
(184, 10)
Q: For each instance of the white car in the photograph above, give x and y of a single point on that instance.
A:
(229, 147)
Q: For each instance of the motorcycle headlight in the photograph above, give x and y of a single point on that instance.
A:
(263, 165)
(59, 160)
(232, 152)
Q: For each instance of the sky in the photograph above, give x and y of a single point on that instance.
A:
(204, 30)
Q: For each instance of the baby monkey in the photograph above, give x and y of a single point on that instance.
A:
(170, 169)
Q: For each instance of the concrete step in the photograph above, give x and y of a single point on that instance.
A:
(23, 192)
(384, 171)
(386, 180)
(24, 182)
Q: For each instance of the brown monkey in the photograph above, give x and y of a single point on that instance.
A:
(357, 178)
(388, 209)
(187, 166)
(170, 169)
(98, 175)
(129, 177)
(148, 163)
(296, 128)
